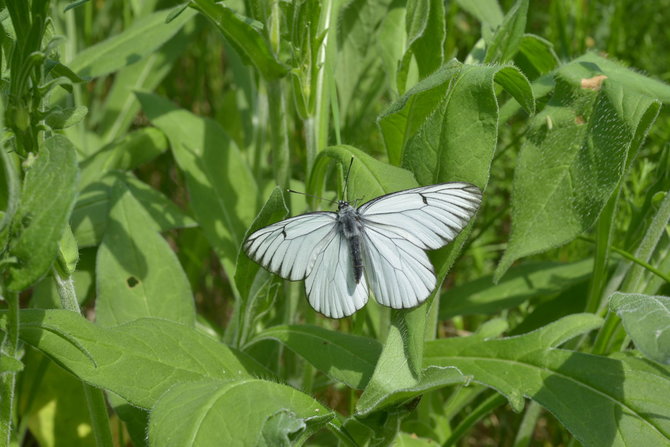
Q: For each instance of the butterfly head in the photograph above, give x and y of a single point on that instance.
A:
(342, 204)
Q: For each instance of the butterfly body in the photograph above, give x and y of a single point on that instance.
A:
(350, 226)
(378, 247)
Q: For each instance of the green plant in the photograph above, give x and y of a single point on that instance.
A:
(121, 203)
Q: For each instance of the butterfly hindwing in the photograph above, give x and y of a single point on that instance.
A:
(331, 286)
(289, 248)
(398, 227)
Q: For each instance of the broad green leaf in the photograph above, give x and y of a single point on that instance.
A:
(505, 42)
(90, 215)
(346, 358)
(205, 413)
(574, 156)
(448, 122)
(133, 150)
(139, 360)
(536, 56)
(140, 40)
(523, 282)
(591, 65)
(369, 178)
(222, 189)
(245, 35)
(647, 322)
(137, 273)
(600, 400)
(47, 198)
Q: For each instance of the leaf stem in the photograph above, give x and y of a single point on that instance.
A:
(490, 403)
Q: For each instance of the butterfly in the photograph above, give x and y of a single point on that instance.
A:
(378, 246)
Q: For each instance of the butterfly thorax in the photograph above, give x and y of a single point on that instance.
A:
(350, 227)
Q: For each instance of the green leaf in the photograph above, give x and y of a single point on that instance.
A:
(245, 35)
(139, 360)
(647, 322)
(60, 118)
(369, 178)
(251, 280)
(600, 400)
(137, 273)
(47, 198)
(346, 358)
(445, 128)
(432, 378)
(575, 154)
(121, 105)
(223, 192)
(507, 38)
(90, 215)
(591, 64)
(140, 40)
(133, 150)
(199, 413)
(488, 12)
(426, 32)
(536, 56)
(522, 282)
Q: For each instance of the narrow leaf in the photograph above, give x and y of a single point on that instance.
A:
(245, 35)
(507, 38)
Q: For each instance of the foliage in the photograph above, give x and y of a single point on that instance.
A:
(144, 140)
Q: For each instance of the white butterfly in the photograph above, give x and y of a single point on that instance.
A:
(379, 245)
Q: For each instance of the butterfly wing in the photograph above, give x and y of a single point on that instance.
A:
(311, 247)
(289, 248)
(331, 286)
(398, 227)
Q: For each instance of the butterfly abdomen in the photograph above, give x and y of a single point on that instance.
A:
(350, 227)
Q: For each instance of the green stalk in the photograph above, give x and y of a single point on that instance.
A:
(9, 348)
(603, 236)
(95, 399)
(491, 403)
(525, 433)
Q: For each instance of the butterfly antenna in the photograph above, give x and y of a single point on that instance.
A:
(310, 195)
(346, 180)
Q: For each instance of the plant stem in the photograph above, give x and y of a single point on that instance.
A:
(603, 236)
(525, 433)
(68, 296)
(9, 348)
(95, 399)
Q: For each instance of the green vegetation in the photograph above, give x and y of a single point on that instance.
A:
(144, 139)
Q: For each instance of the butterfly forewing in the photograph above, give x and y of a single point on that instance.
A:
(289, 248)
(398, 227)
